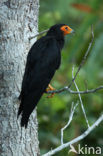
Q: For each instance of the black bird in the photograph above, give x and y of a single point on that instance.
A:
(43, 60)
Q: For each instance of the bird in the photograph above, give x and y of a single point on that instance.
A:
(43, 59)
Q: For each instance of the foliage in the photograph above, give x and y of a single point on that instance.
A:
(53, 113)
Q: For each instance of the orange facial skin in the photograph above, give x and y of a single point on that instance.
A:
(66, 29)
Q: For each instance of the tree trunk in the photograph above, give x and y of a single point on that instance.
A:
(18, 22)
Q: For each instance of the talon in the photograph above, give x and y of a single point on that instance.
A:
(50, 88)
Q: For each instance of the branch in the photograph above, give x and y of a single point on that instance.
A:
(42, 32)
(81, 102)
(84, 58)
(75, 92)
(69, 121)
(82, 136)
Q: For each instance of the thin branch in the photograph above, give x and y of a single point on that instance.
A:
(42, 32)
(82, 136)
(69, 121)
(81, 102)
(84, 58)
(75, 92)
(86, 91)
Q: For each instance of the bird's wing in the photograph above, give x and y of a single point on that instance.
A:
(42, 62)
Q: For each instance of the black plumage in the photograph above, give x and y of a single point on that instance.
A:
(43, 60)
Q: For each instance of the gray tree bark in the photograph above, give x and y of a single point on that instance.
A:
(18, 22)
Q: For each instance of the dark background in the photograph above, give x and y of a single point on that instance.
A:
(53, 113)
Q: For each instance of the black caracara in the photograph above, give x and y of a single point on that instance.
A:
(43, 60)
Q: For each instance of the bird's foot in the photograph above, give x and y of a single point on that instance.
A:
(50, 88)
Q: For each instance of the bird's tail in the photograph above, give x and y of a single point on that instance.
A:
(25, 119)
(27, 106)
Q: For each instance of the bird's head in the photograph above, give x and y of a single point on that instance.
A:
(60, 30)
(66, 30)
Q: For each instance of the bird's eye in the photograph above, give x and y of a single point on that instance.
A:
(66, 28)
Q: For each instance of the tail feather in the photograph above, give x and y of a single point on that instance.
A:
(24, 120)
(27, 106)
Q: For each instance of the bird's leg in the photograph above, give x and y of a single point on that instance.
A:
(50, 88)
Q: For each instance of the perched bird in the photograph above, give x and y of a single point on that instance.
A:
(43, 60)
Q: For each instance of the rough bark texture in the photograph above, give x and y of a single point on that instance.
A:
(18, 22)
